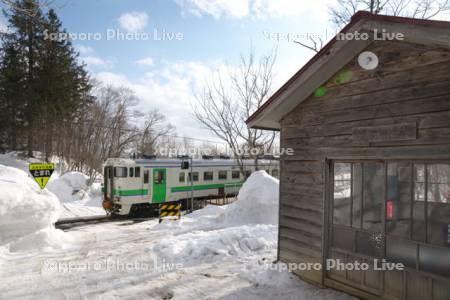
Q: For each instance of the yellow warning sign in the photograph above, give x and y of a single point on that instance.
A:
(41, 172)
(171, 211)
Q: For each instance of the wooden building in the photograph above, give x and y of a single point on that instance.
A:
(369, 123)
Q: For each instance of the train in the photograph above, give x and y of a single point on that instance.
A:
(137, 187)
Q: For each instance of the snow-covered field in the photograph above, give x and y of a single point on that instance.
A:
(215, 253)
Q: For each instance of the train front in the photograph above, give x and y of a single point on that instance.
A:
(114, 176)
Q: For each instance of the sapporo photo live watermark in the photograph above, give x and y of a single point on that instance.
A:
(337, 265)
(115, 34)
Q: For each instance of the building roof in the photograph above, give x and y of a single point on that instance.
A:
(336, 54)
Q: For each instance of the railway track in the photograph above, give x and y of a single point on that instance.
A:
(69, 223)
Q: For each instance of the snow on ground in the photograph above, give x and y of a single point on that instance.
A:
(27, 214)
(14, 159)
(76, 198)
(215, 253)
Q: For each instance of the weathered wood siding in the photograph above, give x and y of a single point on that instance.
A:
(410, 85)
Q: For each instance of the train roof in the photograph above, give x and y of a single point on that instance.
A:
(175, 161)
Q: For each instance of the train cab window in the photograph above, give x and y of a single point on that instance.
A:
(223, 175)
(208, 176)
(131, 172)
(137, 172)
(158, 177)
(194, 176)
(120, 172)
(275, 172)
(235, 174)
(146, 176)
(181, 177)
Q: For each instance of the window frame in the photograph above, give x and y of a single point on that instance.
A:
(221, 172)
(121, 176)
(131, 172)
(208, 178)
(160, 178)
(234, 172)
(421, 246)
(195, 176)
(182, 177)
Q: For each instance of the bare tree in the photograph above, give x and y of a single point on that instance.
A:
(313, 43)
(154, 128)
(342, 12)
(421, 9)
(230, 97)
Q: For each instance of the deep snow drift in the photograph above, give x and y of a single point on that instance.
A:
(76, 198)
(245, 227)
(27, 214)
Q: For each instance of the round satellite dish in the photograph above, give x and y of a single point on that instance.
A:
(368, 60)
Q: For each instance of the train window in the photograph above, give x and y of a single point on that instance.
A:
(235, 174)
(181, 177)
(208, 176)
(146, 176)
(137, 172)
(194, 176)
(120, 172)
(275, 172)
(223, 175)
(131, 172)
(158, 177)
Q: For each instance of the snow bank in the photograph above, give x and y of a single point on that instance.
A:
(69, 187)
(76, 197)
(27, 214)
(257, 201)
(257, 204)
(243, 228)
(201, 246)
(15, 160)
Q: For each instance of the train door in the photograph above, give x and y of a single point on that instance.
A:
(146, 182)
(108, 182)
(159, 185)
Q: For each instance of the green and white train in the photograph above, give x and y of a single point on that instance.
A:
(136, 187)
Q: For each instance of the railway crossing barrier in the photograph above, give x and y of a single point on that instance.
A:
(169, 211)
